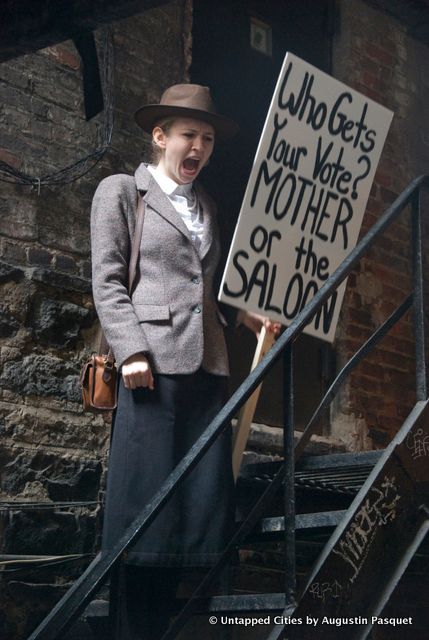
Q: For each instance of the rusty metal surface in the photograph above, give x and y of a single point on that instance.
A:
(337, 479)
(374, 545)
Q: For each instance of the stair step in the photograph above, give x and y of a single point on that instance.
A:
(250, 602)
(342, 474)
(338, 460)
(303, 521)
(211, 604)
(309, 463)
(270, 528)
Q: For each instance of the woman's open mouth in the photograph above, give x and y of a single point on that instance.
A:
(191, 167)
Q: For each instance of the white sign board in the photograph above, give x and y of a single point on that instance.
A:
(306, 196)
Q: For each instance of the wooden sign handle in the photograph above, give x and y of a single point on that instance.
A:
(245, 417)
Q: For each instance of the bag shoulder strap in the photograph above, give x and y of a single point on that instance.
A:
(135, 247)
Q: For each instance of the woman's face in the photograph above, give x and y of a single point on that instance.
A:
(186, 148)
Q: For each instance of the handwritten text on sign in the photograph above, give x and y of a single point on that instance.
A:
(306, 196)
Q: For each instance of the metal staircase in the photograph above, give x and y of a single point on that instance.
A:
(381, 510)
(375, 540)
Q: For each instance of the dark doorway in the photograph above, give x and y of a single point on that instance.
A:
(238, 49)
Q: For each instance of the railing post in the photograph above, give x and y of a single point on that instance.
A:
(289, 482)
(418, 316)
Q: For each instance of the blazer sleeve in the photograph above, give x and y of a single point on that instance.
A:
(111, 224)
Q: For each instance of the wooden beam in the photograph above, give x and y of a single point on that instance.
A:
(30, 25)
(245, 417)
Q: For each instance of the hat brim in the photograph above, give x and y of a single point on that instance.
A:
(147, 116)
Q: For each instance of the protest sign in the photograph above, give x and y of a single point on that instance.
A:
(306, 196)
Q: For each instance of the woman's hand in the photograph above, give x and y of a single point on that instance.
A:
(255, 322)
(136, 372)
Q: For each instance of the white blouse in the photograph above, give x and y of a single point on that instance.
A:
(185, 201)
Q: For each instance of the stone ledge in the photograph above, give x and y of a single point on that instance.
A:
(61, 280)
(265, 444)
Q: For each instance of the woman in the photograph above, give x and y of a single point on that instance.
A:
(168, 342)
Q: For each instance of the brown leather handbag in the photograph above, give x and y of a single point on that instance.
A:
(99, 379)
(99, 375)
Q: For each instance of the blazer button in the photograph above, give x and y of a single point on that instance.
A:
(197, 308)
(196, 279)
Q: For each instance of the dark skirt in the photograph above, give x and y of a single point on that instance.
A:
(152, 432)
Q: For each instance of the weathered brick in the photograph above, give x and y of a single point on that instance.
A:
(63, 55)
(372, 370)
(348, 346)
(18, 218)
(371, 66)
(61, 280)
(10, 273)
(86, 269)
(366, 384)
(39, 256)
(383, 178)
(370, 80)
(12, 252)
(360, 316)
(57, 324)
(9, 325)
(359, 333)
(399, 280)
(391, 425)
(42, 375)
(387, 195)
(65, 263)
(396, 360)
(10, 158)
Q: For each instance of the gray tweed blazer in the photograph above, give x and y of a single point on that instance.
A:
(172, 315)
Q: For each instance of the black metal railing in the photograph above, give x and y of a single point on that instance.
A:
(78, 596)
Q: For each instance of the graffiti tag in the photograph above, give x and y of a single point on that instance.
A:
(325, 590)
(378, 509)
(418, 444)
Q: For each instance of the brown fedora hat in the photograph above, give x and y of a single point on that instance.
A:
(186, 101)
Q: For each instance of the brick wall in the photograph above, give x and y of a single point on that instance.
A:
(373, 53)
(49, 450)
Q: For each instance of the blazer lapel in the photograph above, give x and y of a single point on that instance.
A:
(158, 201)
(208, 214)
